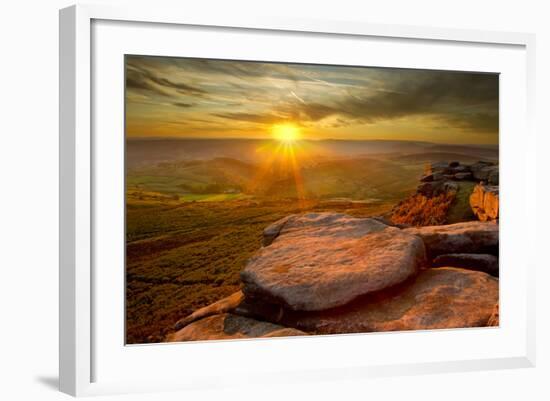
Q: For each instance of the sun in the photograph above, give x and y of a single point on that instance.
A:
(286, 133)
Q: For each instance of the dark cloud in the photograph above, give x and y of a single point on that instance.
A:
(238, 69)
(250, 117)
(312, 93)
(143, 78)
(467, 101)
(181, 104)
(464, 100)
(478, 122)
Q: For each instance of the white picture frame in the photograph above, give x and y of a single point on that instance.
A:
(80, 345)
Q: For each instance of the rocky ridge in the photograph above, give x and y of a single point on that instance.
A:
(439, 193)
(484, 202)
(329, 273)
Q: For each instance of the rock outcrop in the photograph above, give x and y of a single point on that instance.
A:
(273, 230)
(472, 261)
(324, 260)
(330, 273)
(434, 188)
(436, 299)
(222, 306)
(227, 326)
(485, 171)
(494, 320)
(453, 170)
(443, 193)
(484, 202)
(467, 237)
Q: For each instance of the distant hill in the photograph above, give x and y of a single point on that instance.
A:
(429, 157)
(357, 179)
(475, 151)
(143, 152)
(218, 175)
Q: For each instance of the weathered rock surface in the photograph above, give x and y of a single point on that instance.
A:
(493, 177)
(494, 320)
(436, 299)
(222, 306)
(439, 166)
(388, 222)
(324, 260)
(480, 171)
(463, 176)
(429, 188)
(484, 201)
(272, 231)
(475, 167)
(442, 177)
(485, 172)
(427, 178)
(228, 326)
(467, 237)
(448, 168)
(473, 261)
(434, 188)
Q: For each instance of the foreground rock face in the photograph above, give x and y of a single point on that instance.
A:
(437, 299)
(494, 320)
(472, 261)
(228, 326)
(323, 260)
(273, 230)
(468, 237)
(328, 273)
(222, 306)
(484, 202)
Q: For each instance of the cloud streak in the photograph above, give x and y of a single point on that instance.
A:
(250, 96)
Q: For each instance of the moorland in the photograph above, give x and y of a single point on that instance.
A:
(196, 208)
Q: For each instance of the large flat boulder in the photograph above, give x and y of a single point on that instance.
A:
(323, 260)
(273, 230)
(484, 202)
(474, 261)
(440, 298)
(227, 326)
(322, 224)
(467, 237)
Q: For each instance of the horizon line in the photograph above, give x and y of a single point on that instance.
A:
(153, 138)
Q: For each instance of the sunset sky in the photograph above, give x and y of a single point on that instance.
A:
(194, 98)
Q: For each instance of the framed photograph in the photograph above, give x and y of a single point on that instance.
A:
(276, 200)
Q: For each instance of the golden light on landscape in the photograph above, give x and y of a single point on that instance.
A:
(287, 133)
(218, 150)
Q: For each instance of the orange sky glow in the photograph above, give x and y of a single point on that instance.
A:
(200, 98)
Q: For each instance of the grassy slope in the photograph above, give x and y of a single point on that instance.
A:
(186, 247)
(360, 178)
(460, 209)
(446, 208)
(185, 255)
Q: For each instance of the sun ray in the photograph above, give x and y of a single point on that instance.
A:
(265, 168)
(298, 180)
